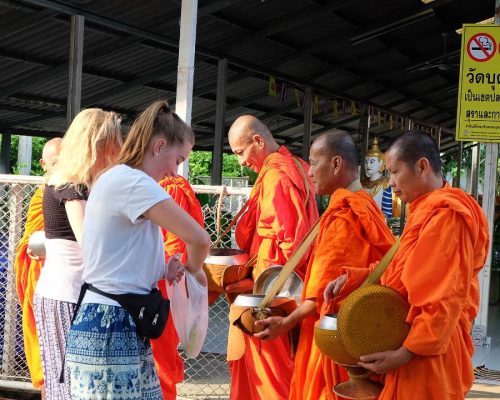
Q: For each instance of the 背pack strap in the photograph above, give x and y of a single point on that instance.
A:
(376, 274)
(290, 265)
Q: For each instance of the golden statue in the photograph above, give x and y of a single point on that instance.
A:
(375, 182)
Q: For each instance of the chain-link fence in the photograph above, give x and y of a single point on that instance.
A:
(206, 377)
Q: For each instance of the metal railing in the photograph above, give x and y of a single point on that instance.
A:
(206, 377)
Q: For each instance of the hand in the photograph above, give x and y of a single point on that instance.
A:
(333, 287)
(174, 269)
(385, 361)
(275, 326)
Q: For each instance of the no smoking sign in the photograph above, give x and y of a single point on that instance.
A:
(481, 47)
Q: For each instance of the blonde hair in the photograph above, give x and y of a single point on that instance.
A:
(156, 120)
(91, 143)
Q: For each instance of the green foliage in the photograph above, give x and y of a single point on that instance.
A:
(200, 164)
(36, 155)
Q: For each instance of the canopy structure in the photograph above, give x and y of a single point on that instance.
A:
(331, 63)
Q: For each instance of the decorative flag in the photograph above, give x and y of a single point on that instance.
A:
(283, 92)
(297, 98)
(272, 86)
(335, 108)
(316, 105)
(391, 125)
(379, 118)
(353, 108)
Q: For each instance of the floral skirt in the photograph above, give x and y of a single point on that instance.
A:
(107, 360)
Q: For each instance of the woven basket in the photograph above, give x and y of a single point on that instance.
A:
(373, 319)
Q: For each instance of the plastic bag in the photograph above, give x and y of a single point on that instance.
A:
(189, 309)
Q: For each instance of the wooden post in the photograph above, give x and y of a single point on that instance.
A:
(75, 67)
(308, 110)
(220, 123)
(460, 156)
(185, 69)
(476, 159)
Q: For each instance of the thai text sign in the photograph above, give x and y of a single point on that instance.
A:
(478, 109)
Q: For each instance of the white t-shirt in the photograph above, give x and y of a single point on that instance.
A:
(123, 251)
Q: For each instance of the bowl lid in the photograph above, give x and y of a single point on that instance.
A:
(227, 257)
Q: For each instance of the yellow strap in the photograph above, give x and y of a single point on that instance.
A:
(376, 274)
(304, 176)
(290, 265)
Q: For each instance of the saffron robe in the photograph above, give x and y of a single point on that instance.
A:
(167, 359)
(282, 209)
(352, 232)
(443, 248)
(27, 274)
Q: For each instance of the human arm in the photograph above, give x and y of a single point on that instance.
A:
(75, 210)
(173, 218)
(277, 326)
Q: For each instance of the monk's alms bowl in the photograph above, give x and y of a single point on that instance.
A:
(247, 305)
(36, 243)
(328, 341)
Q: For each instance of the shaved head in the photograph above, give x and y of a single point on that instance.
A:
(414, 145)
(247, 126)
(49, 154)
(338, 143)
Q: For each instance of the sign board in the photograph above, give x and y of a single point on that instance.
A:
(478, 109)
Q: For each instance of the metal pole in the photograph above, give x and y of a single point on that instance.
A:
(24, 152)
(6, 144)
(364, 132)
(308, 104)
(460, 155)
(75, 67)
(220, 123)
(185, 68)
(476, 160)
(488, 204)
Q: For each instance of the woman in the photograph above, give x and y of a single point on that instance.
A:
(91, 143)
(124, 254)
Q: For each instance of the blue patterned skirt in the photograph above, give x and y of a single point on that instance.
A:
(107, 360)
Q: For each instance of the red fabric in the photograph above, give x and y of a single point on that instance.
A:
(27, 274)
(168, 362)
(443, 248)
(273, 226)
(352, 232)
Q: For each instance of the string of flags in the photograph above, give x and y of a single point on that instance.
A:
(340, 106)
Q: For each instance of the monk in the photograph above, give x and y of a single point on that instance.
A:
(443, 248)
(167, 359)
(27, 268)
(352, 232)
(281, 211)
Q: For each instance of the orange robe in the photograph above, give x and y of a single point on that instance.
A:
(167, 359)
(352, 232)
(27, 273)
(277, 219)
(443, 248)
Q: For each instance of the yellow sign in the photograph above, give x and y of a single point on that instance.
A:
(478, 110)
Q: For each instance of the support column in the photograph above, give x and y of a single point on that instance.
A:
(5, 160)
(364, 133)
(75, 67)
(24, 151)
(488, 204)
(220, 123)
(476, 159)
(308, 110)
(185, 68)
(460, 156)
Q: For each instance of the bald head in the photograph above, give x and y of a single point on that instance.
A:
(251, 141)
(49, 154)
(415, 145)
(338, 143)
(247, 126)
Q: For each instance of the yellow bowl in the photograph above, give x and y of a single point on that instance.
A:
(328, 341)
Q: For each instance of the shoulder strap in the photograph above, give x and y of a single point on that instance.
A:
(376, 274)
(304, 176)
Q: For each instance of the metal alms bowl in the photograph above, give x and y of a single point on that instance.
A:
(226, 257)
(225, 266)
(292, 287)
(36, 243)
(328, 340)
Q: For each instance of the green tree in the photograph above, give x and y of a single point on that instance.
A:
(36, 155)
(200, 164)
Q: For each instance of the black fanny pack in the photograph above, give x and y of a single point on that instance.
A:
(149, 311)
